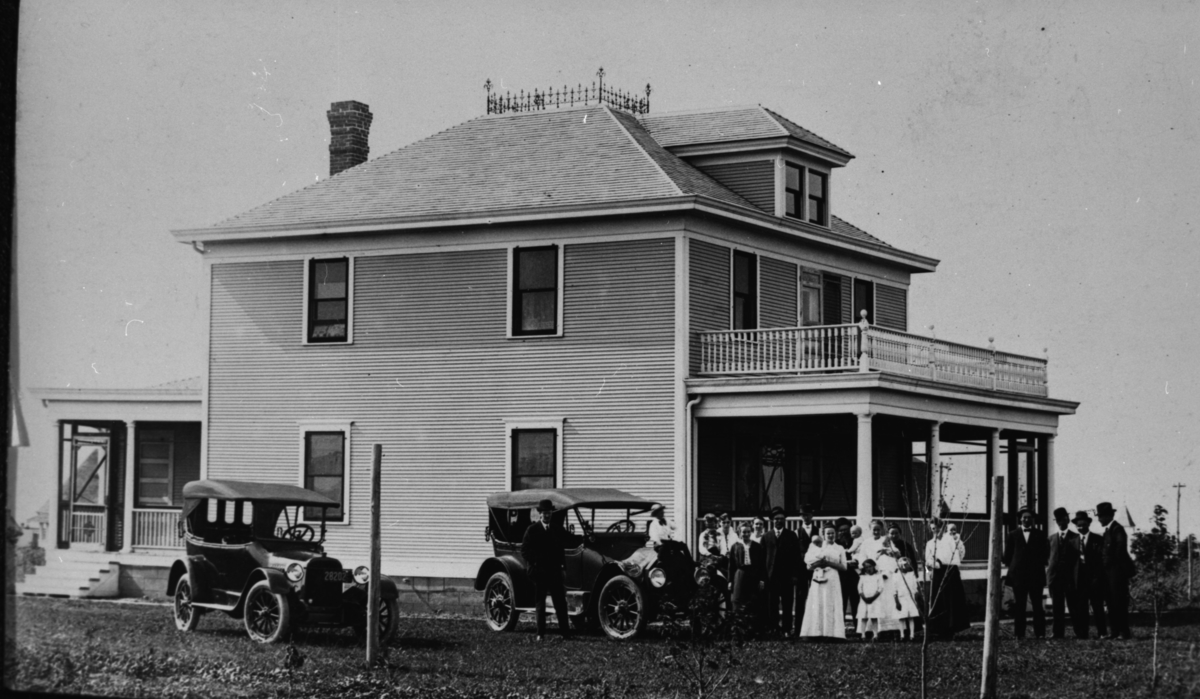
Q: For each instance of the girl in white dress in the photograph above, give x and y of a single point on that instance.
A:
(905, 585)
(878, 548)
(823, 610)
(872, 599)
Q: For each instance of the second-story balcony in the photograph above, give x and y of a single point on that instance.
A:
(863, 348)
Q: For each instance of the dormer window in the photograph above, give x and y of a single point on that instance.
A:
(806, 194)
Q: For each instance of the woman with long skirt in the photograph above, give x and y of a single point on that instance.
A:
(948, 601)
(823, 615)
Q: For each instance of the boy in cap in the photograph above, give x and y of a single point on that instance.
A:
(543, 549)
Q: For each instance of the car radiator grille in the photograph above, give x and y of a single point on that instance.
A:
(318, 588)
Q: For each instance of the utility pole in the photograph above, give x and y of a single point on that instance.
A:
(1178, 491)
(995, 593)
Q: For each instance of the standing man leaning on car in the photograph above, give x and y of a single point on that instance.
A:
(542, 549)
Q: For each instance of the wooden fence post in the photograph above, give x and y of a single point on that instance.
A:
(995, 593)
(373, 585)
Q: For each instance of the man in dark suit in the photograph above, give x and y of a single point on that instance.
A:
(783, 560)
(1091, 574)
(543, 549)
(747, 573)
(1062, 575)
(1025, 553)
(1118, 569)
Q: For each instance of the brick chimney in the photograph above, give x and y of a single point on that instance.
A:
(349, 124)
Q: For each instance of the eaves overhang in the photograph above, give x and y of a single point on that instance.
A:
(751, 145)
(909, 261)
(117, 395)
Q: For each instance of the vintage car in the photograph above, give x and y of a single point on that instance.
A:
(250, 555)
(613, 578)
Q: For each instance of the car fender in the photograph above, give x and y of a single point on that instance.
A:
(358, 591)
(610, 570)
(276, 579)
(522, 587)
(199, 572)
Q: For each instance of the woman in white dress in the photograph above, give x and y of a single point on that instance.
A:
(823, 616)
(877, 547)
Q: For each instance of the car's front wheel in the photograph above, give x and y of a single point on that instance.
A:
(268, 615)
(500, 603)
(187, 616)
(389, 620)
(621, 608)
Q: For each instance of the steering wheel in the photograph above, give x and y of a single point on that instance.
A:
(300, 532)
(625, 526)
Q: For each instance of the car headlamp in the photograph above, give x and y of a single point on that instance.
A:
(658, 577)
(701, 577)
(295, 572)
(362, 574)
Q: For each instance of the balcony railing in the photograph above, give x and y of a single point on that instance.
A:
(863, 347)
(156, 529)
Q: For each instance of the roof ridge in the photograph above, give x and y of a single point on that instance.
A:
(612, 115)
(774, 118)
(699, 110)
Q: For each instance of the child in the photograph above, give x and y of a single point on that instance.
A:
(856, 536)
(871, 599)
(905, 586)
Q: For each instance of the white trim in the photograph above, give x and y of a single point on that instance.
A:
(345, 427)
(682, 483)
(308, 259)
(206, 335)
(510, 252)
(534, 423)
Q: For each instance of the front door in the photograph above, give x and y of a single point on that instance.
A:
(89, 486)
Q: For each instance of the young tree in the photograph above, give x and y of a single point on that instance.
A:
(1157, 555)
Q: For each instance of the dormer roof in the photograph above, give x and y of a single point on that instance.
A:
(730, 125)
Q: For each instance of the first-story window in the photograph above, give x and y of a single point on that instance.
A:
(534, 458)
(325, 471)
(155, 468)
(329, 300)
(535, 291)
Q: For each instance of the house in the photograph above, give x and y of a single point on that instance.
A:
(595, 295)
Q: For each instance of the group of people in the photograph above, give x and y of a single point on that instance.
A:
(824, 572)
(1083, 569)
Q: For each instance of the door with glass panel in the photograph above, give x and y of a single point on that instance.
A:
(86, 488)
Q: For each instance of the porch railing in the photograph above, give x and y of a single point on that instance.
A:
(87, 527)
(156, 529)
(863, 347)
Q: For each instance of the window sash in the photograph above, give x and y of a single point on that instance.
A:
(325, 472)
(793, 192)
(816, 197)
(328, 300)
(745, 291)
(534, 458)
(535, 291)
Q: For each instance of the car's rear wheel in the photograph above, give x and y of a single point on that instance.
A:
(500, 603)
(187, 616)
(621, 608)
(268, 615)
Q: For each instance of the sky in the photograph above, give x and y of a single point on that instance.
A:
(1047, 153)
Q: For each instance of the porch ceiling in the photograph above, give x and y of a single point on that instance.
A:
(878, 393)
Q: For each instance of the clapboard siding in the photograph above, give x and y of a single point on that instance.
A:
(777, 288)
(708, 293)
(432, 378)
(755, 181)
(891, 307)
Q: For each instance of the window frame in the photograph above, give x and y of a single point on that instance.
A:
(512, 426)
(803, 193)
(809, 285)
(140, 459)
(733, 293)
(345, 428)
(308, 302)
(512, 307)
(854, 305)
(822, 202)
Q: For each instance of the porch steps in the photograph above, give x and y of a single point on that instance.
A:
(71, 577)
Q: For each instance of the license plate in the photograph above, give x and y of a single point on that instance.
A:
(335, 575)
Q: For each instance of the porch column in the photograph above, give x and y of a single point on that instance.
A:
(127, 510)
(1015, 501)
(1046, 475)
(935, 468)
(864, 503)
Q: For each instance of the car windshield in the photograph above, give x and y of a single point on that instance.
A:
(240, 521)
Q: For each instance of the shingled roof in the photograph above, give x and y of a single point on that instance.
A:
(729, 124)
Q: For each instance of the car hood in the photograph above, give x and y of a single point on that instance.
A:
(279, 559)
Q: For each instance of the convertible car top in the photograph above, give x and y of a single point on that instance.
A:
(195, 491)
(567, 497)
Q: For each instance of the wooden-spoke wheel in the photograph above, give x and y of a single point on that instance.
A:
(389, 620)
(187, 617)
(621, 608)
(500, 603)
(268, 615)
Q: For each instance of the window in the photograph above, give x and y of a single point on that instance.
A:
(328, 308)
(793, 193)
(745, 291)
(816, 197)
(155, 468)
(832, 308)
(325, 453)
(864, 300)
(810, 298)
(535, 280)
(534, 459)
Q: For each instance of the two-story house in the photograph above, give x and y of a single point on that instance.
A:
(665, 303)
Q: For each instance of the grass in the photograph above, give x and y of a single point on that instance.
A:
(133, 650)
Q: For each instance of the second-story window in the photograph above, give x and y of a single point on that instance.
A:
(864, 300)
(810, 298)
(816, 197)
(535, 291)
(745, 291)
(329, 300)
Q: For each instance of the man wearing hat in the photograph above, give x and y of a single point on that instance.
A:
(1062, 575)
(1118, 569)
(543, 547)
(1025, 554)
(781, 548)
(1091, 574)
